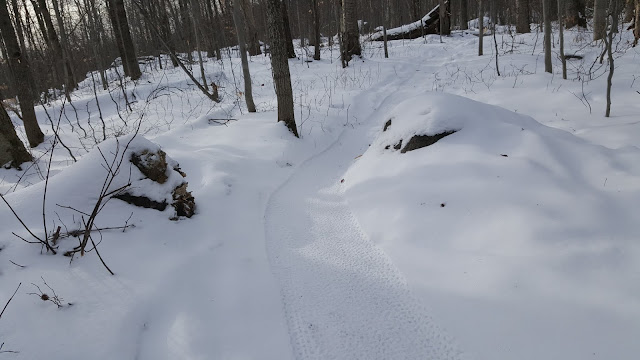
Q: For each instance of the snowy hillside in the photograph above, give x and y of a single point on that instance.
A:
(514, 237)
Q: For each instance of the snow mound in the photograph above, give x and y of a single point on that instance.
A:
(507, 221)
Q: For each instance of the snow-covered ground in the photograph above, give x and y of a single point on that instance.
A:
(513, 238)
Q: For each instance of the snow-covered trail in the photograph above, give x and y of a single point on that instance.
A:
(343, 298)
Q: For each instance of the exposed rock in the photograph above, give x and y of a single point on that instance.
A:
(183, 201)
(141, 201)
(165, 188)
(152, 164)
(386, 125)
(420, 141)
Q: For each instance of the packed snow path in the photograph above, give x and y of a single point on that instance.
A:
(343, 298)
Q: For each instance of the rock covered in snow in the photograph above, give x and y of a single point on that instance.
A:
(161, 182)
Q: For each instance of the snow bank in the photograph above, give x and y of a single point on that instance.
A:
(507, 228)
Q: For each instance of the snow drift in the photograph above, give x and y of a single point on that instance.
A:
(506, 221)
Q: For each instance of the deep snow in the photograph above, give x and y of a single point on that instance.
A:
(330, 246)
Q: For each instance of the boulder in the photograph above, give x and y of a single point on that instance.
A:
(161, 183)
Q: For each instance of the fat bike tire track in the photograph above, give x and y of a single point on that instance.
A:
(342, 296)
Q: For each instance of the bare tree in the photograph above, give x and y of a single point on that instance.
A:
(561, 36)
(242, 47)
(613, 15)
(316, 29)
(599, 19)
(349, 29)
(464, 15)
(21, 75)
(480, 28)
(118, 16)
(636, 29)
(546, 14)
(522, 16)
(280, 65)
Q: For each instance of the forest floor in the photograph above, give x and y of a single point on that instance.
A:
(513, 238)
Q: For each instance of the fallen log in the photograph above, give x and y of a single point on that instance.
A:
(429, 24)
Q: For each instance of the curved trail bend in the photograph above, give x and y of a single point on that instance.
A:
(342, 296)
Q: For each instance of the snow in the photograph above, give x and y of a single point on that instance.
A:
(332, 246)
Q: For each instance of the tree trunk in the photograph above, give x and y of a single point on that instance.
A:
(464, 15)
(546, 14)
(480, 28)
(195, 19)
(628, 11)
(316, 30)
(350, 33)
(22, 77)
(561, 36)
(53, 42)
(280, 65)
(599, 19)
(242, 47)
(522, 16)
(613, 12)
(252, 34)
(120, 25)
(444, 18)
(573, 9)
(71, 82)
(636, 29)
(291, 52)
(415, 10)
(12, 150)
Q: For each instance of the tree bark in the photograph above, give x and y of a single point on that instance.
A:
(22, 77)
(546, 14)
(118, 16)
(464, 15)
(253, 42)
(280, 65)
(237, 20)
(316, 29)
(636, 29)
(480, 28)
(291, 52)
(350, 33)
(561, 36)
(522, 16)
(573, 9)
(613, 12)
(628, 10)
(599, 19)
(12, 150)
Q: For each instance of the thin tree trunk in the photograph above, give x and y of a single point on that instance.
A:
(280, 64)
(561, 35)
(613, 12)
(118, 16)
(546, 14)
(316, 29)
(384, 30)
(237, 20)
(195, 19)
(252, 34)
(480, 28)
(22, 77)
(636, 29)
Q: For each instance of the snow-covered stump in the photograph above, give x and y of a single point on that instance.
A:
(162, 184)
